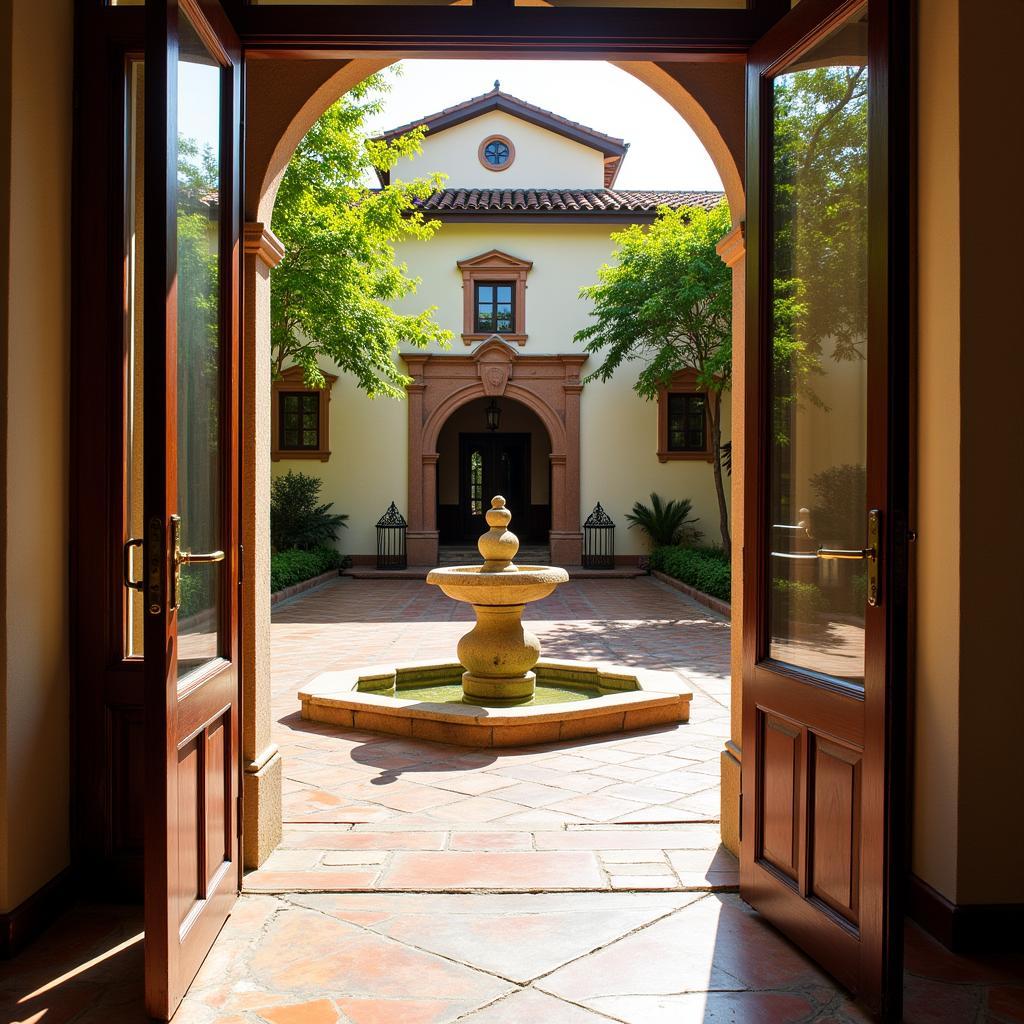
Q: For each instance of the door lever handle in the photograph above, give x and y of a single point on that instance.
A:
(129, 581)
(872, 553)
(180, 558)
(853, 554)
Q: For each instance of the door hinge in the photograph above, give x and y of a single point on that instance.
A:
(241, 564)
(741, 816)
(238, 815)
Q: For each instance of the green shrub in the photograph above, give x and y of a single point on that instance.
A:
(296, 518)
(665, 523)
(294, 566)
(704, 569)
(798, 601)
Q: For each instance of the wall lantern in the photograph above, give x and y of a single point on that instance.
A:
(493, 414)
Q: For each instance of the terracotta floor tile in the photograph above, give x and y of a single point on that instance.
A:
(321, 1011)
(493, 870)
(297, 881)
(533, 794)
(531, 1005)
(1006, 1003)
(401, 840)
(717, 944)
(709, 1008)
(400, 1011)
(474, 809)
(595, 806)
(520, 947)
(490, 841)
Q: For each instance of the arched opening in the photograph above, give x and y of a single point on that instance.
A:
(493, 446)
(284, 99)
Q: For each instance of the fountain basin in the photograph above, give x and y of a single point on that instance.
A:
(519, 584)
(604, 699)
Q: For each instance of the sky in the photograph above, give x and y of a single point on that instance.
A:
(664, 153)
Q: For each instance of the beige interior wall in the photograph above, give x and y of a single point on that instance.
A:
(990, 825)
(34, 834)
(969, 700)
(938, 455)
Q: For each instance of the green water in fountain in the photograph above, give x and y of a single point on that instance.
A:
(451, 693)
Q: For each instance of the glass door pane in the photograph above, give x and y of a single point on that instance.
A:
(198, 342)
(819, 383)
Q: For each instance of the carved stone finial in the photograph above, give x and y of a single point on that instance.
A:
(497, 85)
(499, 545)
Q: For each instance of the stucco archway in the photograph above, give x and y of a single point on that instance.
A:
(442, 384)
(284, 98)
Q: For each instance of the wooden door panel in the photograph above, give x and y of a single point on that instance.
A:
(823, 653)
(836, 835)
(193, 109)
(782, 743)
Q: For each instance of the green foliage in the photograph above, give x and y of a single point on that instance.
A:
(665, 522)
(704, 569)
(331, 295)
(796, 601)
(667, 301)
(840, 497)
(293, 566)
(820, 264)
(297, 520)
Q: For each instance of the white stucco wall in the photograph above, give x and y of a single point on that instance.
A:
(619, 462)
(542, 158)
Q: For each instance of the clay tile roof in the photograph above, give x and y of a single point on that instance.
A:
(613, 149)
(583, 202)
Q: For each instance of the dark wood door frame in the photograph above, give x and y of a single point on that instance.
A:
(106, 34)
(876, 972)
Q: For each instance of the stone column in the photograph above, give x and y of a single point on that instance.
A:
(566, 535)
(732, 250)
(261, 794)
(422, 543)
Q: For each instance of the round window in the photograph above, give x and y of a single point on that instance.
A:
(496, 153)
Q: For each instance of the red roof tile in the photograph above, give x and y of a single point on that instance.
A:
(582, 202)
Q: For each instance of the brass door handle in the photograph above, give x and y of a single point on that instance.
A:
(129, 581)
(853, 554)
(180, 558)
(872, 553)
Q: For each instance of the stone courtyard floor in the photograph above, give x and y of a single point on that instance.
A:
(420, 883)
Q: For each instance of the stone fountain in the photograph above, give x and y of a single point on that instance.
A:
(499, 693)
(498, 653)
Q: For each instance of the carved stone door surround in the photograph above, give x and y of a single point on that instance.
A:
(548, 385)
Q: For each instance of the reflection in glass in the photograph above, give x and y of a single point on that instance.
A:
(818, 450)
(133, 521)
(476, 484)
(199, 369)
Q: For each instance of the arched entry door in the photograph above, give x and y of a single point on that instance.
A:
(491, 464)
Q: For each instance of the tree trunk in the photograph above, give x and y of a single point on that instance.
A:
(716, 447)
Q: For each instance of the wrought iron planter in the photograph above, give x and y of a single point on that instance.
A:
(391, 530)
(599, 540)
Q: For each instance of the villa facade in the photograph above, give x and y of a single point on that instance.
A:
(528, 212)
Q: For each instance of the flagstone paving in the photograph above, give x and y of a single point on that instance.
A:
(434, 816)
(420, 883)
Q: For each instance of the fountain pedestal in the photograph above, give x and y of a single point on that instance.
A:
(498, 654)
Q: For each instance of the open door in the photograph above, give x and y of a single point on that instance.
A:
(190, 489)
(825, 537)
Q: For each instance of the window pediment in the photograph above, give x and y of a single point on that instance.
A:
(494, 266)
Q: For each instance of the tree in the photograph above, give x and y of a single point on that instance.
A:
(331, 295)
(667, 300)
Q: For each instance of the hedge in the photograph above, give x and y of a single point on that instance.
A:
(294, 566)
(705, 569)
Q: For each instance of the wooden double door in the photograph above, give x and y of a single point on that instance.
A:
(825, 533)
(491, 464)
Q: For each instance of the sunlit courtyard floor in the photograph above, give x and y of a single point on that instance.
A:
(420, 883)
